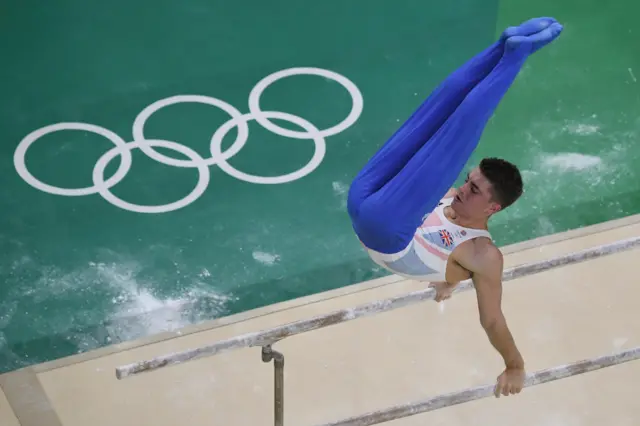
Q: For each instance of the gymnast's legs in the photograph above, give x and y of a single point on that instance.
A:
(413, 170)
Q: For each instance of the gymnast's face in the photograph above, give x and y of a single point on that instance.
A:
(474, 198)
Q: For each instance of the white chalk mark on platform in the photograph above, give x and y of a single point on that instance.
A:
(265, 258)
(571, 161)
(581, 129)
(619, 342)
(632, 76)
(340, 188)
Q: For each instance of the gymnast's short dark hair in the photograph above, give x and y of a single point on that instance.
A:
(505, 179)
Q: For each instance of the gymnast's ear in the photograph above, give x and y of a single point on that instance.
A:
(494, 208)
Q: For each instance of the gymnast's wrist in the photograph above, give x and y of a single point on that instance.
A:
(515, 364)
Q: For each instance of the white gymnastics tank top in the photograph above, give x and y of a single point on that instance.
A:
(425, 258)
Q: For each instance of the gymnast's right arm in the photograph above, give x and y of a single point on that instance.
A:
(487, 279)
(485, 262)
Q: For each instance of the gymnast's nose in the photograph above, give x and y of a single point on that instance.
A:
(458, 192)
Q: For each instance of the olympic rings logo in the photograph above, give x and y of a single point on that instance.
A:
(219, 158)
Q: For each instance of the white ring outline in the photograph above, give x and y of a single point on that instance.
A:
(318, 155)
(19, 158)
(143, 116)
(237, 119)
(101, 164)
(261, 86)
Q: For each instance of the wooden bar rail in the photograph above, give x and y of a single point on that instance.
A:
(467, 395)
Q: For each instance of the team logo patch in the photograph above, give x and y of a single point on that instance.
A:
(446, 237)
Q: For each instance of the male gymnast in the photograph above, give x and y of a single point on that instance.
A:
(411, 220)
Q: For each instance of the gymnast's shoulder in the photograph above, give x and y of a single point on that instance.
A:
(480, 256)
(450, 193)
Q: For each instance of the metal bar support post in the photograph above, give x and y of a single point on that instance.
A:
(269, 354)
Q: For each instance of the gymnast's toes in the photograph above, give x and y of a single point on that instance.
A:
(527, 28)
(536, 40)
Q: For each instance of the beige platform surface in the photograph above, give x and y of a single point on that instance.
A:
(559, 316)
(7, 416)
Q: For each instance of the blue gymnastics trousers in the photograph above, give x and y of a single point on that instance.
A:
(411, 172)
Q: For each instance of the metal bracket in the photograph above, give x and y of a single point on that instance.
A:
(269, 354)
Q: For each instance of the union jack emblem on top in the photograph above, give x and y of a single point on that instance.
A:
(446, 237)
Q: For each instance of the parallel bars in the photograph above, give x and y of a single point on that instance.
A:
(270, 336)
(267, 338)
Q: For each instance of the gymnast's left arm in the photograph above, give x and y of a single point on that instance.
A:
(487, 279)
